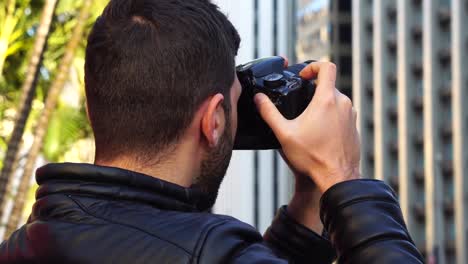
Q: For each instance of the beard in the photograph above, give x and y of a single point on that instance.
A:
(213, 169)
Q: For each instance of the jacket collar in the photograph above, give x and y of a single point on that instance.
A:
(116, 183)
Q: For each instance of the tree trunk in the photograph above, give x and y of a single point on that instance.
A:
(51, 101)
(27, 95)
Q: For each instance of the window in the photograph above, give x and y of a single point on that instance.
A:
(344, 33)
(345, 65)
(344, 6)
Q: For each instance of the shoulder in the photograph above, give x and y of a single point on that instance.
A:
(116, 232)
(203, 237)
(228, 239)
(178, 233)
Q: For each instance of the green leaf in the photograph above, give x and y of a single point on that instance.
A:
(66, 126)
(14, 47)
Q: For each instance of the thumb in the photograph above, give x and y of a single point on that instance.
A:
(270, 114)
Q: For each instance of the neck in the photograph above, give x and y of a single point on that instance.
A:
(179, 166)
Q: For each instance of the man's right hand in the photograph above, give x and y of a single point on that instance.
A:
(323, 142)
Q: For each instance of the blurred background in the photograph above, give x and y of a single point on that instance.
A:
(403, 62)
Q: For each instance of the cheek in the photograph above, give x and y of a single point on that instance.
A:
(234, 118)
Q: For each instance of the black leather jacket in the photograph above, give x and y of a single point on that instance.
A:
(91, 214)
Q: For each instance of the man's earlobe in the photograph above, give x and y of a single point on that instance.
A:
(212, 123)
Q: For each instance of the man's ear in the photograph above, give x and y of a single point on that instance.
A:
(213, 120)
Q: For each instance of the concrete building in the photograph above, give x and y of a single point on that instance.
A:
(324, 33)
(406, 71)
(409, 82)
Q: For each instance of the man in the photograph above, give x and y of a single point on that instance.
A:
(162, 100)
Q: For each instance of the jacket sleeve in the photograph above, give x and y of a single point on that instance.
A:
(285, 242)
(295, 242)
(366, 225)
(362, 218)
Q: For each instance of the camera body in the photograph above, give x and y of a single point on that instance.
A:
(286, 89)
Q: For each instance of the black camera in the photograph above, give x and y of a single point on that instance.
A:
(286, 89)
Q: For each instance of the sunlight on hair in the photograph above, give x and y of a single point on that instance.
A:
(140, 20)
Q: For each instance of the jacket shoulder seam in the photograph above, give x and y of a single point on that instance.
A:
(128, 226)
(212, 227)
(205, 233)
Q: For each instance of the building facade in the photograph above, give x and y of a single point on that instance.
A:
(404, 64)
(410, 80)
(324, 32)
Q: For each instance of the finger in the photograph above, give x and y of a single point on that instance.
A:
(286, 61)
(355, 116)
(270, 114)
(325, 73)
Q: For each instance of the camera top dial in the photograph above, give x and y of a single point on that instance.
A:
(274, 80)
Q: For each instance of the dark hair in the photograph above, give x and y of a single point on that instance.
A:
(149, 66)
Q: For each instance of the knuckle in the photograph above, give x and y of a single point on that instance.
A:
(346, 102)
(330, 70)
(329, 100)
(331, 67)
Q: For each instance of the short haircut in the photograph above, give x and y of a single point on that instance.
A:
(149, 66)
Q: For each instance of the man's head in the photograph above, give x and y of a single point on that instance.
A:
(159, 73)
